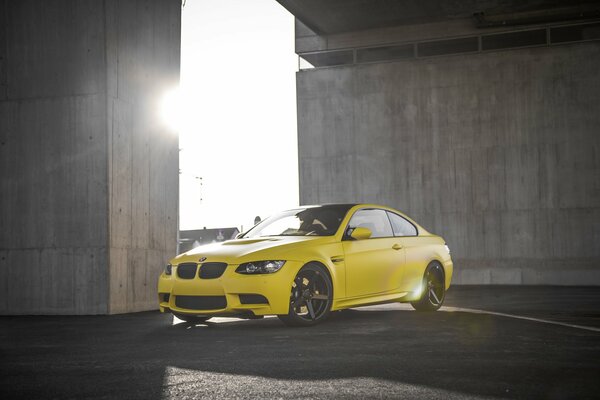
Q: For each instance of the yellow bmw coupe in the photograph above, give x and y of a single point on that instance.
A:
(301, 264)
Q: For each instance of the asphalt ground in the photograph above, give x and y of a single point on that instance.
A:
(487, 342)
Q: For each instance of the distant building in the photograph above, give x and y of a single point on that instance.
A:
(194, 238)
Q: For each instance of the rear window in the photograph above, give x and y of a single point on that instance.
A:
(401, 226)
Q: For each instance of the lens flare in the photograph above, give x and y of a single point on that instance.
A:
(417, 293)
(171, 109)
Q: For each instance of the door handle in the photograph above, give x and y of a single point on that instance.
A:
(397, 246)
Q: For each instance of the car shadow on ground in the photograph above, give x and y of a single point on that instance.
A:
(373, 352)
(457, 352)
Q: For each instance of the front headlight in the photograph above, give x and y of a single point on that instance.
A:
(447, 248)
(168, 269)
(260, 267)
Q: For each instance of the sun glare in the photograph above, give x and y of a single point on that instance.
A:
(170, 109)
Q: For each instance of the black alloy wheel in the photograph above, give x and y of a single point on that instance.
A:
(191, 319)
(311, 297)
(434, 289)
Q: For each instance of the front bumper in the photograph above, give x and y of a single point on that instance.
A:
(230, 294)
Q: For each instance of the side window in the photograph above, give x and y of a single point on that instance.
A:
(401, 226)
(376, 220)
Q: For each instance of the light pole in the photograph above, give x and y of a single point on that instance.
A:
(197, 179)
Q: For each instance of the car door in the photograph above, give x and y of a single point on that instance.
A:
(372, 265)
(407, 236)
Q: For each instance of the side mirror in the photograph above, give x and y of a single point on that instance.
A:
(360, 233)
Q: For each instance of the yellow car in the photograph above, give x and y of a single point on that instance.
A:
(302, 264)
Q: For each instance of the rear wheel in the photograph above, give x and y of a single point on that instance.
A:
(311, 297)
(434, 289)
(191, 319)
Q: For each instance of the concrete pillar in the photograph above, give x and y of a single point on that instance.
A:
(88, 175)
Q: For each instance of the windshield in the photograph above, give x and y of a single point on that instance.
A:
(310, 221)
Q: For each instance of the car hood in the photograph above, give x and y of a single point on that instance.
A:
(246, 250)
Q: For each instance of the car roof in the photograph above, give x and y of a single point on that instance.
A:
(349, 205)
(421, 230)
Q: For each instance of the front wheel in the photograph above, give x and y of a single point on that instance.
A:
(434, 289)
(311, 297)
(191, 319)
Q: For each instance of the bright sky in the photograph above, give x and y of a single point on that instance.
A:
(238, 128)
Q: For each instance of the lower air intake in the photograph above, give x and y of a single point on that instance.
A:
(201, 302)
(253, 299)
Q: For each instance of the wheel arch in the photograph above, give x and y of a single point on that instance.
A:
(425, 302)
(326, 268)
(440, 263)
(447, 267)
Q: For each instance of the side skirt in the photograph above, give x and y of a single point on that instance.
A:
(340, 304)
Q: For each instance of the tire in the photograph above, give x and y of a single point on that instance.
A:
(434, 289)
(311, 297)
(191, 319)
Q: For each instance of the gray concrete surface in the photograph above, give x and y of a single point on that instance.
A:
(330, 17)
(376, 352)
(358, 23)
(497, 152)
(143, 58)
(88, 176)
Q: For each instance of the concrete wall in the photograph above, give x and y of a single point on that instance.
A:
(71, 116)
(143, 57)
(497, 152)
